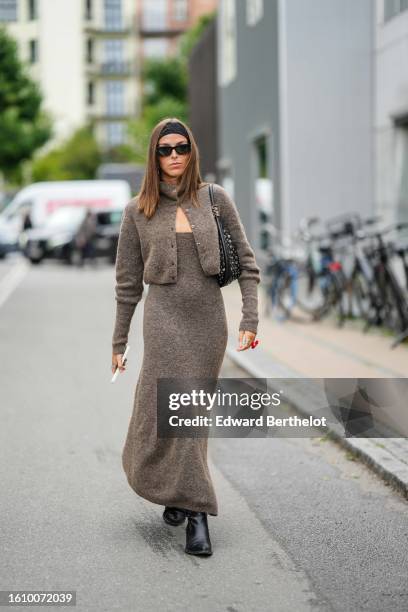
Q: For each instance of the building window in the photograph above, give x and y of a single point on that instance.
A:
(227, 42)
(115, 97)
(113, 14)
(113, 61)
(180, 10)
(115, 133)
(88, 9)
(155, 47)
(113, 50)
(401, 169)
(32, 10)
(254, 11)
(154, 15)
(90, 50)
(8, 10)
(394, 7)
(263, 191)
(91, 93)
(33, 51)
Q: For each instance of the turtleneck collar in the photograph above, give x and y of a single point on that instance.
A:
(169, 190)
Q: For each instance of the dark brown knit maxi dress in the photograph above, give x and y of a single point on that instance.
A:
(185, 335)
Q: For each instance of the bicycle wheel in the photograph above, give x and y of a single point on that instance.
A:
(333, 288)
(396, 315)
(280, 295)
(361, 305)
(312, 295)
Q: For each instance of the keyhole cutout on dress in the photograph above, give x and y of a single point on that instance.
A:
(182, 223)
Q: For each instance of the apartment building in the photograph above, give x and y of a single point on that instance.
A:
(161, 23)
(83, 54)
(295, 109)
(391, 116)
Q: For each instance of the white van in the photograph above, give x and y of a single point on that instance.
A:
(44, 198)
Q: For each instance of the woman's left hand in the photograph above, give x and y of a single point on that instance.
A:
(245, 340)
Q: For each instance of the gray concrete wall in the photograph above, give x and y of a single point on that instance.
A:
(305, 79)
(391, 117)
(202, 94)
(329, 97)
(248, 106)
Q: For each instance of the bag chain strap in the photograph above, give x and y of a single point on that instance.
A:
(213, 205)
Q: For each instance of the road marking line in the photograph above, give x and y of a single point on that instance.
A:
(11, 281)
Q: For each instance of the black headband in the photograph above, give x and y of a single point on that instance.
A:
(174, 127)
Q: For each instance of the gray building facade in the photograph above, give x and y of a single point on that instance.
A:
(295, 109)
(202, 96)
(391, 119)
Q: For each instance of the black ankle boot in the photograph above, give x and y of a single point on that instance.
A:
(197, 534)
(174, 516)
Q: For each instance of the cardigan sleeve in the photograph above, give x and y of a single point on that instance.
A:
(129, 278)
(250, 275)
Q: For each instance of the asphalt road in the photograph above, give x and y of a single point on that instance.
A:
(301, 526)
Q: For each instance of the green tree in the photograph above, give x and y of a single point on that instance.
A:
(164, 78)
(165, 91)
(24, 126)
(77, 158)
(193, 35)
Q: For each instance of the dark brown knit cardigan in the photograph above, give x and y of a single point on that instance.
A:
(147, 252)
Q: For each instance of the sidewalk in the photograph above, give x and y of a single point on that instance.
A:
(321, 350)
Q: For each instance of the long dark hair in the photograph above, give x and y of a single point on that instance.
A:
(190, 180)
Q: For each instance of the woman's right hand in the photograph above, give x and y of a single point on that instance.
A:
(117, 362)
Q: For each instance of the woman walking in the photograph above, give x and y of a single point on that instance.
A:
(169, 239)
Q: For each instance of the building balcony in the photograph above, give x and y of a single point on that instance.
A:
(111, 68)
(150, 31)
(120, 30)
(105, 116)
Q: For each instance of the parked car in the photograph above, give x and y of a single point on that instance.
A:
(3, 243)
(107, 233)
(41, 200)
(57, 238)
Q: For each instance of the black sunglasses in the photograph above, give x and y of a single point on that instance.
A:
(181, 149)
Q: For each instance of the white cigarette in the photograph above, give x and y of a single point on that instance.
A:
(117, 370)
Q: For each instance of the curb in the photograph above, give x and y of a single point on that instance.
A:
(387, 457)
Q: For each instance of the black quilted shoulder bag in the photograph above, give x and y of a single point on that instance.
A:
(230, 268)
